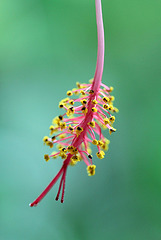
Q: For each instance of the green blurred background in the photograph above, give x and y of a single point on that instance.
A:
(45, 47)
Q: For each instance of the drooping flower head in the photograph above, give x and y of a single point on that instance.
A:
(88, 109)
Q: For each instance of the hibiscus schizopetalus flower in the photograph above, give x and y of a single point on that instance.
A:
(88, 108)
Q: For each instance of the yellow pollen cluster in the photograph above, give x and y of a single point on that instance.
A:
(100, 143)
(71, 102)
(92, 124)
(62, 125)
(112, 98)
(46, 157)
(61, 105)
(106, 120)
(100, 154)
(72, 150)
(84, 110)
(70, 111)
(69, 93)
(110, 107)
(70, 128)
(84, 101)
(54, 157)
(94, 101)
(94, 109)
(83, 92)
(79, 130)
(106, 99)
(91, 170)
(74, 159)
(105, 106)
(111, 130)
(45, 139)
(112, 119)
(111, 89)
(95, 142)
(61, 136)
(91, 91)
(63, 155)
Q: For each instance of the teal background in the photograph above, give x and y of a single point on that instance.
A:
(45, 47)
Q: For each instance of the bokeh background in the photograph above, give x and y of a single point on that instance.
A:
(45, 47)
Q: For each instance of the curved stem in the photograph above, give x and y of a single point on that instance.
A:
(47, 189)
(100, 51)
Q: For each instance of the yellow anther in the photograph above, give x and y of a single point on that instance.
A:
(84, 101)
(64, 150)
(63, 135)
(112, 98)
(50, 144)
(104, 126)
(111, 89)
(64, 100)
(110, 107)
(95, 142)
(69, 93)
(71, 102)
(70, 149)
(75, 151)
(60, 117)
(62, 125)
(56, 120)
(105, 106)
(92, 124)
(79, 130)
(89, 150)
(62, 155)
(115, 109)
(105, 145)
(72, 162)
(100, 154)
(107, 141)
(78, 84)
(61, 105)
(94, 101)
(111, 130)
(82, 92)
(94, 109)
(52, 129)
(53, 138)
(106, 99)
(45, 139)
(46, 157)
(53, 153)
(59, 146)
(106, 120)
(91, 91)
(70, 111)
(70, 128)
(75, 158)
(100, 143)
(75, 91)
(91, 170)
(84, 110)
(112, 119)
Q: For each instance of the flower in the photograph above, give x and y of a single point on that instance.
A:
(88, 108)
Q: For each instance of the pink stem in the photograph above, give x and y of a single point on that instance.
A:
(100, 51)
(47, 189)
(63, 190)
(60, 185)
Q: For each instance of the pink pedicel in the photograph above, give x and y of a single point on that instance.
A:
(88, 109)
